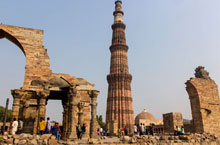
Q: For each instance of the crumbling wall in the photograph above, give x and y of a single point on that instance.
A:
(204, 99)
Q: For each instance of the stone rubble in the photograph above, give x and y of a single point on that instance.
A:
(48, 139)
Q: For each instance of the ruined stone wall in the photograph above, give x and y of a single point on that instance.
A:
(171, 120)
(204, 99)
(30, 41)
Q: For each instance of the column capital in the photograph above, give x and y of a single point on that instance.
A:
(94, 94)
(73, 90)
(43, 94)
(17, 93)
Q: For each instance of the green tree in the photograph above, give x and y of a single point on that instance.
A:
(100, 121)
(2, 113)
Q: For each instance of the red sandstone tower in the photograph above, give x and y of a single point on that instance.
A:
(119, 102)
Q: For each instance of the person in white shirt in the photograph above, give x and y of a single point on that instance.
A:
(101, 131)
(48, 126)
(14, 126)
(135, 129)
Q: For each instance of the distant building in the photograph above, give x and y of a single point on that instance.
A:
(147, 118)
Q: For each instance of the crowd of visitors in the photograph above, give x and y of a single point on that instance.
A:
(46, 128)
(102, 132)
(143, 129)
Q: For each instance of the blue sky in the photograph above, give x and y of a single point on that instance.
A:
(167, 40)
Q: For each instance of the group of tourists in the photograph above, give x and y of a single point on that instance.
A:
(80, 130)
(143, 129)
(46, 128)
(102, 132)
(17, 126)
(179, 131)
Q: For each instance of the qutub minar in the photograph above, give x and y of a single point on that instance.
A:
(119, 101)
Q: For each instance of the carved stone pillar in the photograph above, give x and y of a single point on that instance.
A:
(65, 120)
(80, 113)
(16, 104)
(41, 109)
(93, 132)
(81, 105)
(72, 97)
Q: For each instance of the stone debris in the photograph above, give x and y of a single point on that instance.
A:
(48, 139)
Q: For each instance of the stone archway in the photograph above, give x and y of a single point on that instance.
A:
(79, 99)
(30, 41)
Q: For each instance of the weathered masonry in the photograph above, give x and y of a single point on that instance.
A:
(78, 96)
(204, 99)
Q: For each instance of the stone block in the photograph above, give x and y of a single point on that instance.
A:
(52, 142)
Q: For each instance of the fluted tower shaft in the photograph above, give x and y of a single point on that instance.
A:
(119, 101)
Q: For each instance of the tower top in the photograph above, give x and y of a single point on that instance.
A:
(118, 1)
(118, 13)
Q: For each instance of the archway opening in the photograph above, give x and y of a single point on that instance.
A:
(54, 110)
(12, 62)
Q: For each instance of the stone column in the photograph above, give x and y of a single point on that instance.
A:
(81, 105)
(16, 105)
(80, 113)
(72, 113)
(65, 120)
(93, 132)
(41, 110)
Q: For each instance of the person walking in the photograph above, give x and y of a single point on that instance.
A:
(48, 126)
(83, 129)
(58, 135)
(20, 126)
(78, 131)
(142, 129)
(126, 131)
(151, 130)
(135, 129)
(138, 129)
(14, 126)
(182, 131)
(101, 131)
(98, 132)
(42, 126)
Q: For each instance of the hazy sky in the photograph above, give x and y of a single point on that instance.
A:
(167, 40)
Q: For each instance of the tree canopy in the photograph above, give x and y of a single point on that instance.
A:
(2, 112)
(100, 121)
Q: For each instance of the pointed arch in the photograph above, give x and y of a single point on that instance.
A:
(4, 34)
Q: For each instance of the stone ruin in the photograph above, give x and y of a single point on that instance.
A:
(171, 120)
(79, 99)
(204, 99)
(205, 106)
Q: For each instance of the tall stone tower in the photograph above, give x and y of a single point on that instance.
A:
(119, 102)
